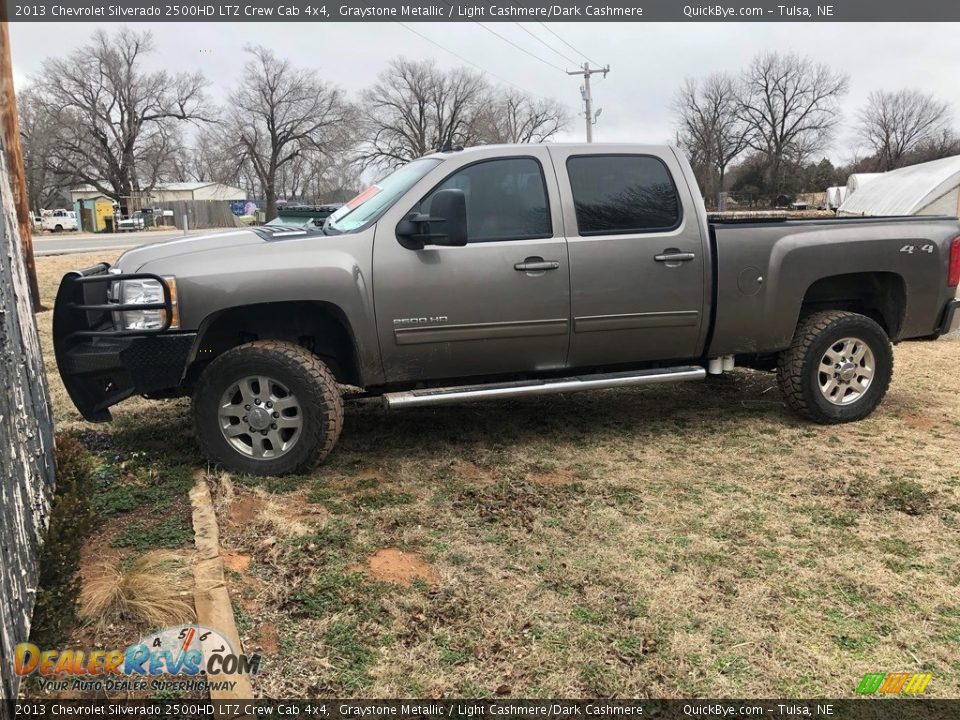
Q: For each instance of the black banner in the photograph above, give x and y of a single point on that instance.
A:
(101, 11)
(502, 709)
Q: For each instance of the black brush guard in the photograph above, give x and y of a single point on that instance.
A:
(100, 364)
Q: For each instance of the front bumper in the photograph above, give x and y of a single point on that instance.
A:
(951, 318)
(99, 365)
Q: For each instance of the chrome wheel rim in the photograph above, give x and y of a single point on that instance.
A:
(260, 417)
(846, 371)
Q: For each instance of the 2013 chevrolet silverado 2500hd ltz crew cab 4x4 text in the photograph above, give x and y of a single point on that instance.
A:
(493, 272)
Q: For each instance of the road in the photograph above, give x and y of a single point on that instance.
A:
(69, 243)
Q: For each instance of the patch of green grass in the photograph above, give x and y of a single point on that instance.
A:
(170, 532)
(587, 616)
(899, 548)
(332, 588)
(244, 623)
(906, 496)
(451, 652)
(122, 498)
(380, 500)
(600, 680)
(150, 489)
(630, 648)
(833, 518)
(349, 655)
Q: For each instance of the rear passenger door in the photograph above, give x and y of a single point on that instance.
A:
(638, 267)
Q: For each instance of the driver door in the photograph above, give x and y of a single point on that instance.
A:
(501, 303)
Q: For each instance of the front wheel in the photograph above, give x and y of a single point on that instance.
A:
(267, 408)
(837, 369)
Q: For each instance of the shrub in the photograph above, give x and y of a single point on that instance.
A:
(71, 518)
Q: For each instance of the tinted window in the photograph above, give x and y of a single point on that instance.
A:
(622, 194)
(506, 200)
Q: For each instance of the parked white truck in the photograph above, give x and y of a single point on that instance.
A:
(58, 220)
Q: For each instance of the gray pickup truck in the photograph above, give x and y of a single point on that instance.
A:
(495, 272)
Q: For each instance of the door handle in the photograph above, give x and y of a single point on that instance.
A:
(674, 257)
(536, 264)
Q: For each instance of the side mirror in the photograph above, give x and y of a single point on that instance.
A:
(445, 225)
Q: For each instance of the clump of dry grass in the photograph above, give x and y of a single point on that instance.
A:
(223, 492)
(276, 519)
(154, 590)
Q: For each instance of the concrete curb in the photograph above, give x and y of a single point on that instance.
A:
(210, 596)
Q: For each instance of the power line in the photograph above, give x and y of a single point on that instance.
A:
(544, 43)
(461, 57)
(520, 47)
(566, 43)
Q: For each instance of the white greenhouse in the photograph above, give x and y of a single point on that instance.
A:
(835, 196)
(931, 188)
(858, 180)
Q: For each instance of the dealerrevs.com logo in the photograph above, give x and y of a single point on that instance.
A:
(894, 683)
(188, 652)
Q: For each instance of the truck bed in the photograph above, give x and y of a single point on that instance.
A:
(766, 268)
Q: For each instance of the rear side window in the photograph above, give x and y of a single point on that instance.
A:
(619, 194)
(506, 200)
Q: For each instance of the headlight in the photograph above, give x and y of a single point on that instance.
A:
(146, 291)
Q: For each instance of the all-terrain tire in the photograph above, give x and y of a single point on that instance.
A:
(308, 379)
(799, 368)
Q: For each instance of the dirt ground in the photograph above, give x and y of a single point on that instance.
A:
(677, 541)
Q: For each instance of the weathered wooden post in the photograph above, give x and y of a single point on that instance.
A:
(26, 433)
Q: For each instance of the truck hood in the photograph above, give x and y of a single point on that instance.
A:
(133, 260)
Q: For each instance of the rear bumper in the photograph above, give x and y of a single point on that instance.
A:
(99, 365)
(951, 318)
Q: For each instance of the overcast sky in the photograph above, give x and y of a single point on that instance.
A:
(648, 61)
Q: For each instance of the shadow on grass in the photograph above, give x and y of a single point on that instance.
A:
(373, 436)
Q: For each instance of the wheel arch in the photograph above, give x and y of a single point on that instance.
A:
(881, 296)
(320, 327)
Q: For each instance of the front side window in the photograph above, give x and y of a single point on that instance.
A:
(619, 194)
(506, 200)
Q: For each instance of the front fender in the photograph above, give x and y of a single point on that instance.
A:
(333, 270)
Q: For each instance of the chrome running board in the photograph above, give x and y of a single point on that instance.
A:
(497, 391)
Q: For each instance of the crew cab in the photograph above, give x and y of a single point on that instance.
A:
(500, 271)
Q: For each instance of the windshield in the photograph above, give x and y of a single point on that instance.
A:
(378, 197)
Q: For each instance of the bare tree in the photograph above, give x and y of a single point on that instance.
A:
(790, 105)
(282, 113)
(45, 181)
(335, 181)
(516, 117)
(945, 143)
(415, 108)
(711, 130)
(896, 123)
(116, 122)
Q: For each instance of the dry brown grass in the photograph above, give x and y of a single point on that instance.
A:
(154, 590)
(693, 540)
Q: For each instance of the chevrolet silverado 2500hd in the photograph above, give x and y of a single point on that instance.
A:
(500, 272)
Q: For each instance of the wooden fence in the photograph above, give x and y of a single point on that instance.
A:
(200, 213)
(26, 443)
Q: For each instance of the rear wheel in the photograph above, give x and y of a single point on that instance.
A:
(267, 408)
(838, 367)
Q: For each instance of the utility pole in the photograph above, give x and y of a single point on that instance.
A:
(588, 114)
(10, 140)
